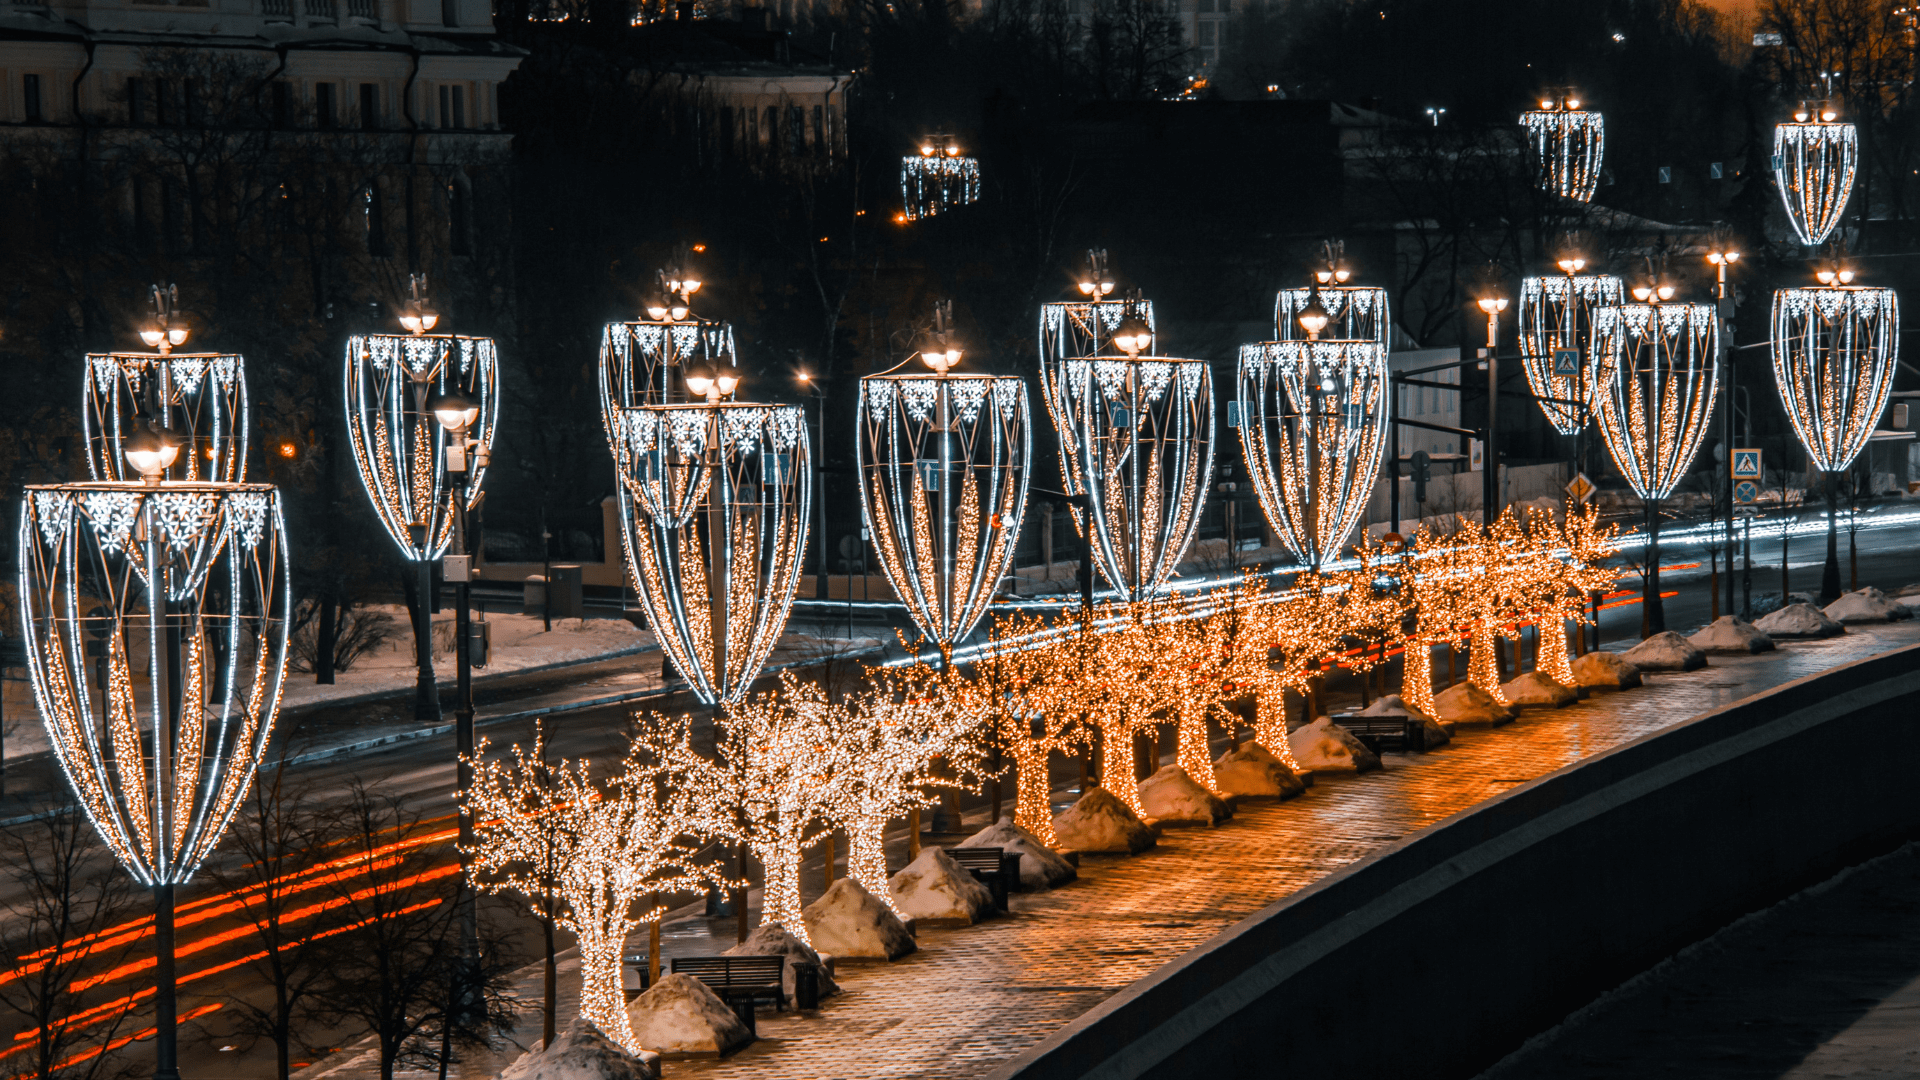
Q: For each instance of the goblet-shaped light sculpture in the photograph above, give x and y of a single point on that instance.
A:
(714, 526)
(944, 462)
(639, 359)
(1313, 421)
(1653, 393)
(199, 400)
(939, 179)
(1835, 350)
(1556, 318)
(1076, 329)
(1568, 145)
(1141, 428)
(155, 626)
(1352, 313)
(398, 445)
(1815, 160)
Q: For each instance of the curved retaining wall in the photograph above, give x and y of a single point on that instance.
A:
(1441, 954)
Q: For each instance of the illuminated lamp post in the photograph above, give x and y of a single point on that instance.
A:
(401, 448)
(1141, 428)
(1355, 312)
(944, 467)
(1568, 144)
(1722, 257)
(186, 591)
(1835, 350)
(646, 361)
(1082, 328)
(1492, 306)
(199, 400)
(939, 179)
(1654, 388)
(715, 527)
(1815, 160)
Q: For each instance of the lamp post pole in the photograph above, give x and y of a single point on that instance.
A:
(1490, 482)
(1722, 257)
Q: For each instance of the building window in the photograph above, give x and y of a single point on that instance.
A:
(833, 129)
(362, 9)
(370, 106)
(282, 103)
(753, 130)
(796, 130)
(453, 107)
(30, 95)
(376, 221)
(277, 9)
(325, 113)
(320, 9)
(459, 217)
(136, 102)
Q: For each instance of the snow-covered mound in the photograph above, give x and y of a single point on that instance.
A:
(772, 939)
(1392, 705)
(1174, 798)
(935, 888)
(1100, 822)
(1799, 621)
(1605, 671)
(680, 1015)
(1731, 634)
(1868, 605)
(1251, 770)
(849, 923)
(582, 1052)
(1537, 690)
(1471, 706)
(1666, 651)
(1040, 866)
(1325, 746)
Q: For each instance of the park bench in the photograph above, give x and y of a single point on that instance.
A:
(741, 981)
(1384, 733)
(996, 868)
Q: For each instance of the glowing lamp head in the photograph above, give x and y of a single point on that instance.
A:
(677, 308)
(1802, 114)
(1665, 292)
(1314, 318)
(726, 384)
(1642, 293)
(455, 411)
(1723, 258)
(1132, 336)
(419, 320)
(153, 336)
(700, 385)
(1573, 103)
(1572, 265)
(1846, 277)
(151, 450)
(1829, 115)
(1493, 305)
(941, 360)
(1087, 287)
(1546, 104)
(926, 150)
(656, 307)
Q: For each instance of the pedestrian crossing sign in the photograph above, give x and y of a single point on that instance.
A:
(1566, 362)
(1746, 464)
(1746, 492)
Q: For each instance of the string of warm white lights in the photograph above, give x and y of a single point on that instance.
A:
(398, 445)
(1030, 693)
(1568, 145)
(1814, 164)
(1556, 315)
(714, 526)
(944, 467)
(635, 358)
(1141, 429)
(177, 577)
(1313, 422)
(199, 399)
(938, 183)
(1835, 350)
(596, 851)
(1354, 313)
(1654, 383)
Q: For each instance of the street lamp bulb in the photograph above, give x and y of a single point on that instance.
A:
(1087, 287)
(1573, 103)
(698, 385)
(953, 150)
(1493, 304)
(1106, 288)
(677, 308)
(1846, 277)
(455, 410)
(1132, 336)
(1314, 318)
(1546, 105)
(727, 384)
(153, 338)
(940, 360)
(1829, 116)
(926, 150)
(690, 287)
(1642, 292)
(1342, 275)
(1666, 292)
(1825, 277)
(1572, 265)
(151, 451)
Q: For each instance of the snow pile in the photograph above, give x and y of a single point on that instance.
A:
(1537, 690)
(1040, 867)
(1251, 770)
(849, 923)
(1174, 798)
(1605, 671)
(1731, 634)
(1391, 705)
(1868, 605)
(1799, 621)
(934, 888)
(1469, 705)
(1666, 651)
(772, 939)
(1325, 746)
(582, 1052)
(681, 1015)
(1100, 822)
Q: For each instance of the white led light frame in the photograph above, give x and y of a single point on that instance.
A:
(1657, 374)
(1569, 146)
(1557, 313)
(200, 397)
(1835, 352)
(1814, 167)
(635, 357)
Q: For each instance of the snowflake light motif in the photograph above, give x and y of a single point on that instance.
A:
(1569, 144)
(200, 397)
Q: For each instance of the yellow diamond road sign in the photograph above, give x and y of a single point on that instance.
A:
(1579, 488)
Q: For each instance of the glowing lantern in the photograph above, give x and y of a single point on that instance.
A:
(1569, 144)
(1814, 163)
(938, 179)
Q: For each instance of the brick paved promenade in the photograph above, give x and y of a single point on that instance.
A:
(973, 997)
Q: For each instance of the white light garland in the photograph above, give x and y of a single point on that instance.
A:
(1557, 313)
(1835, 350)
(134, 595)
(1354, 313)
(1313, 421)
(635, 356)
(1568, 145)
(1654, 385)
(1814, 165)
(934, 184)
(200, 397)
(944, 467)
(398, 445)
(714, 523)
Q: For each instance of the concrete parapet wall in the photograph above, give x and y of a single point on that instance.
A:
(1443, 953)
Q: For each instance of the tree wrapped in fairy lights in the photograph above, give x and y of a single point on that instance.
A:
(714, 526)
(1436, 589)
(1815, 160)
(1654, 389)
(1559, 566)
(1313, 422)
(1568, 145)
(1026, 678)
(597, 850)
(196, 400)
(647, 361)
(944, 466)
(939, 179)
(1556, 317)
(1835, 350)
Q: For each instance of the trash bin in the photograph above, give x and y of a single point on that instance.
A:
(566, 597)
(806, 985)
(533, 596)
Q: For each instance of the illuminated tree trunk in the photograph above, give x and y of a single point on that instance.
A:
(1033, 794)
(1116, 763)
(780, 903)
(1484, 669)
(1416, 679)
(1551, 650)
(867, 856)
(1194, 754)
(1270, 725)
(602, 939)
